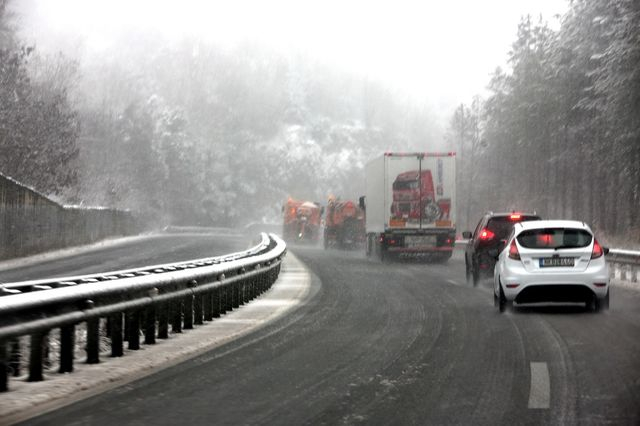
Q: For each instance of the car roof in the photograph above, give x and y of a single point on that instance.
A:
(539, 224)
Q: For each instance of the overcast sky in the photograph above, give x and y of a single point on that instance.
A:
(441, 51)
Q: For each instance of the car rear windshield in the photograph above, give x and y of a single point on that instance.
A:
(501, 225)
(554, 238)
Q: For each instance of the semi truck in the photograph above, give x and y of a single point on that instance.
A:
(301, 221)
(410, 206)
(343, 224)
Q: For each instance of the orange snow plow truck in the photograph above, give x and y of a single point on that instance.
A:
(301, 221)
(343, 225)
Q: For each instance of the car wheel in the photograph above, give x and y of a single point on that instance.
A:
(605, 302)
(476, 276)
(502, 301)
(600, 304)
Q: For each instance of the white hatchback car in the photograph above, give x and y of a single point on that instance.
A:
(552, 261)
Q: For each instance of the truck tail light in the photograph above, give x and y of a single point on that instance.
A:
(513, 251)
(597, 250)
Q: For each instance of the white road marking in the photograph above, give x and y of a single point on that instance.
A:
(540, 392)
(453, 282)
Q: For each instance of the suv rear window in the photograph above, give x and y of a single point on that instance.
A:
(554, 238)
(501, 225)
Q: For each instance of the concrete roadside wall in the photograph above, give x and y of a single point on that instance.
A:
(32, 223)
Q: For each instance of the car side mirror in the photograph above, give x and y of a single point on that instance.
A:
(467, 235)
(605, 250)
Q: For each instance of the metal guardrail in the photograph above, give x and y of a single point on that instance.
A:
(626, 262)
(181, 295)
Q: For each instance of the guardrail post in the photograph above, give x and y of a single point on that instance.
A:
(150, 320)
(15, 356)
(67, 348)
(207, 305)
(235, 294)
(188, 307)
(4, 367)
(634, 274)
(36, 357)
(176, 314)
(133, 327)
(197, 308)
(261, 281)
(93, 341)
(245, 290)
(215, 303)
(117, 340)
(228, 298)
(163, 320)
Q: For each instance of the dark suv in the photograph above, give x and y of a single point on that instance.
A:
(491, 233)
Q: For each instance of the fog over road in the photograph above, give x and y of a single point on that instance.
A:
(398, 343)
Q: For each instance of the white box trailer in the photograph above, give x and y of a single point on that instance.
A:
(410, 205)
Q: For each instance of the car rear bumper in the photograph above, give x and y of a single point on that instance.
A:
(525, 287)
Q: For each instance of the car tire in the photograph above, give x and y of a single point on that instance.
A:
(599, 305)
(503, 304)
(475, 274)
(605, 302)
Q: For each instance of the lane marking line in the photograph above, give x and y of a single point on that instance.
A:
(540, 391)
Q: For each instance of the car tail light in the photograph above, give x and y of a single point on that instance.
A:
(512, 285)
(486, 235)
(381, 238)
(597, 250)
(513, 251)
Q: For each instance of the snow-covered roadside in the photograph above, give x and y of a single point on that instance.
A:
(26, 400)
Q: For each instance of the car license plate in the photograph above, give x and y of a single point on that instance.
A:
(556, 261)
(419, 240)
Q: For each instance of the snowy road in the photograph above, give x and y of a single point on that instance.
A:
(397, 344)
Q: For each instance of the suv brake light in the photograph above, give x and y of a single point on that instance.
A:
(486, 235)
(597, 250)
(515, 217)
(513, 251)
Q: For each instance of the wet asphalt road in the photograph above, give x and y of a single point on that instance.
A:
(397, 344)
